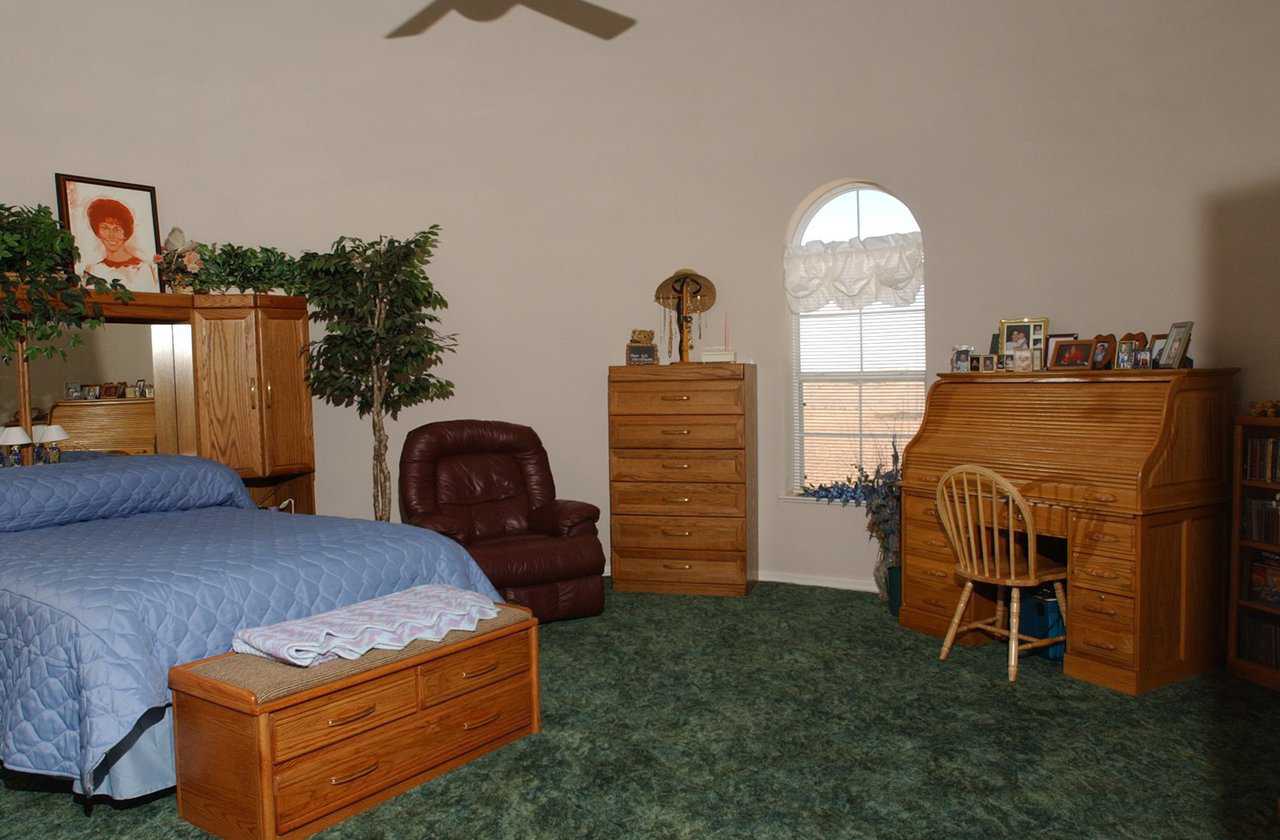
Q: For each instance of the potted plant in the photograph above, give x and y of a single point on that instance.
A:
(41, 297)
(190, 266)
(881, 494)
(381, 344)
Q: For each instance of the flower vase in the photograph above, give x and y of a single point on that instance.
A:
(893, 588)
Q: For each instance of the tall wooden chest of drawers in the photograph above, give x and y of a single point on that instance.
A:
(682, 478)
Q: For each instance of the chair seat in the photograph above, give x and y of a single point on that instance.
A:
(1047, 571)
(522, 560)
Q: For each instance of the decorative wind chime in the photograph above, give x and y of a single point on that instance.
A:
(680, 298)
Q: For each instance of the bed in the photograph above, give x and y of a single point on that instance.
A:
(113, 570)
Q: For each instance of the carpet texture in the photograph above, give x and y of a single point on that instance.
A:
(806, 712)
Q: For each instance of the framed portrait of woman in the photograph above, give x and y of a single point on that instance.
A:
(116, 229)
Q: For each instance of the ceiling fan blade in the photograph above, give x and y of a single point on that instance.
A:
(585, 16)
(422, 21)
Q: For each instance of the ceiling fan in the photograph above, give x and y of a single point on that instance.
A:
(587, 17)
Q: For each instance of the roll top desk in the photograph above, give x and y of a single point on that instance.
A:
(1127, 471)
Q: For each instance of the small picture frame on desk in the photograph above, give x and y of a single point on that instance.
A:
(642, 354)
(975, 364)
(1125, 350)
(988, 363)
(1104, 351)
(1158, 341)
(1023, 334)
(1022, 360)
(1142, 360)
(1175, 350)
(1071, 354)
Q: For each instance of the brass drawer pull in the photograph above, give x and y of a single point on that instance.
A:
(1094, 571)
(477, 724)
(359, 774)
(675, 466)
(936, 573)
(488, 669)
(675, 431)
(1099, 536)
(682, 567)
(931, 511)
(1100, 645)
(352, 718)
(1100, 611)
(679, 500)
(676, 397)
(934, 602)
(1100, 497)
(939, 543)
(676, 533)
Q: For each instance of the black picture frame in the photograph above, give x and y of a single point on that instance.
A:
(63, 182)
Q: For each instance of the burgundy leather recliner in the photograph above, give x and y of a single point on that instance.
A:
(488, 485)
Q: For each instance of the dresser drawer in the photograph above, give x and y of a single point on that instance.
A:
(1091, 536)
(692, 532)
(678, 498)
(651, 564)
(676, 397)
(1101, 608)
(1099, 639)
(324, 781)
(1101, 572)
(710, 465)
(330, 719)
(691, 432)
(932, 570)
(449, 676)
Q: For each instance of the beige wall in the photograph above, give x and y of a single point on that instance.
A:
(1114, 165)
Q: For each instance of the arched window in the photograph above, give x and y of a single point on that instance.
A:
(855, 285)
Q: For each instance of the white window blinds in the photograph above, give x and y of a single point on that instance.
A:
(859, 381)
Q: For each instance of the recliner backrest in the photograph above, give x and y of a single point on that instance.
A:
(486, 474)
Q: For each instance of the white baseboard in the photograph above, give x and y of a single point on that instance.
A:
(855, 584)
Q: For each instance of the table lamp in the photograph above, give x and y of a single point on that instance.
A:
(48, 437)
(11, 439)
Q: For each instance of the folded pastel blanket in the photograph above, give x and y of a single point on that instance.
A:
(388, 623)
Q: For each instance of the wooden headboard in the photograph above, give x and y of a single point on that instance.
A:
(127, 426)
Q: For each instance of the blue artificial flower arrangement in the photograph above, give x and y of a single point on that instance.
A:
(881, 494)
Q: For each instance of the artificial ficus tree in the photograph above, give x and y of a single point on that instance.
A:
(382, 343)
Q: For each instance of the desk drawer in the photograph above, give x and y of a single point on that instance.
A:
(1092, 536)
(921, 509)
(687, 397)
(1102, 572)
(933, 570)
(680, 566)
(449, 676)
(726, 466)
(714, 533)
(678, 498)
(1101, 608)
(1099, 639)
(689, 432)
(927, 539)
(327, 720)
(929, 594)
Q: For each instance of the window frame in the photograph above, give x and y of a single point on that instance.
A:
(804, 214)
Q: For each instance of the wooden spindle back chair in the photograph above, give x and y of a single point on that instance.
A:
(982, 514)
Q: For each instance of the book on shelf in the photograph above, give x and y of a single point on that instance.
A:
(1261, 520)
(1264, 578)
(1261, 460)
(1259, 640)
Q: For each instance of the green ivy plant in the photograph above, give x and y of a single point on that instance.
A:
(235, 267)
(382, 344)
(41, 298)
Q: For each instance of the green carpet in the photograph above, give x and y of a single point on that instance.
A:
(805, 712)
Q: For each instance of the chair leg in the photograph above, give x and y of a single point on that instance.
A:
(1015, 615)
(1062, 600)
(955, 621)
(999, 607)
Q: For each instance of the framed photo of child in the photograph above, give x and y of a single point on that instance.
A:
(116, 228)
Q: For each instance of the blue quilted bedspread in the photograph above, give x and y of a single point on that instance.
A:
(114, 570)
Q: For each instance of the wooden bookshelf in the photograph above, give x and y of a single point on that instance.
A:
(1253, 624)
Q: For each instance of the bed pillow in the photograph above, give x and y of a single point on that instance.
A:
(113, 488)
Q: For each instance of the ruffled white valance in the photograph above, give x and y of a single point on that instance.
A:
(885, 269)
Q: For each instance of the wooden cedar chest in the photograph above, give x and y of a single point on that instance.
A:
(266, 750)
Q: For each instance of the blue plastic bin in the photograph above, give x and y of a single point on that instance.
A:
(1042, 618)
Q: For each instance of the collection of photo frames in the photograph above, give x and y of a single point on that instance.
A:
(1025, 345)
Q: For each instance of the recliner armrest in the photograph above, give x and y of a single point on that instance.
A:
(441, 523)
(565, 518)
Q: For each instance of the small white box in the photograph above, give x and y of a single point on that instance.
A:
(719, 354)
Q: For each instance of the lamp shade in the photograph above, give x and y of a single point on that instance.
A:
(52, 434)
(37, 433)
(14, 436)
